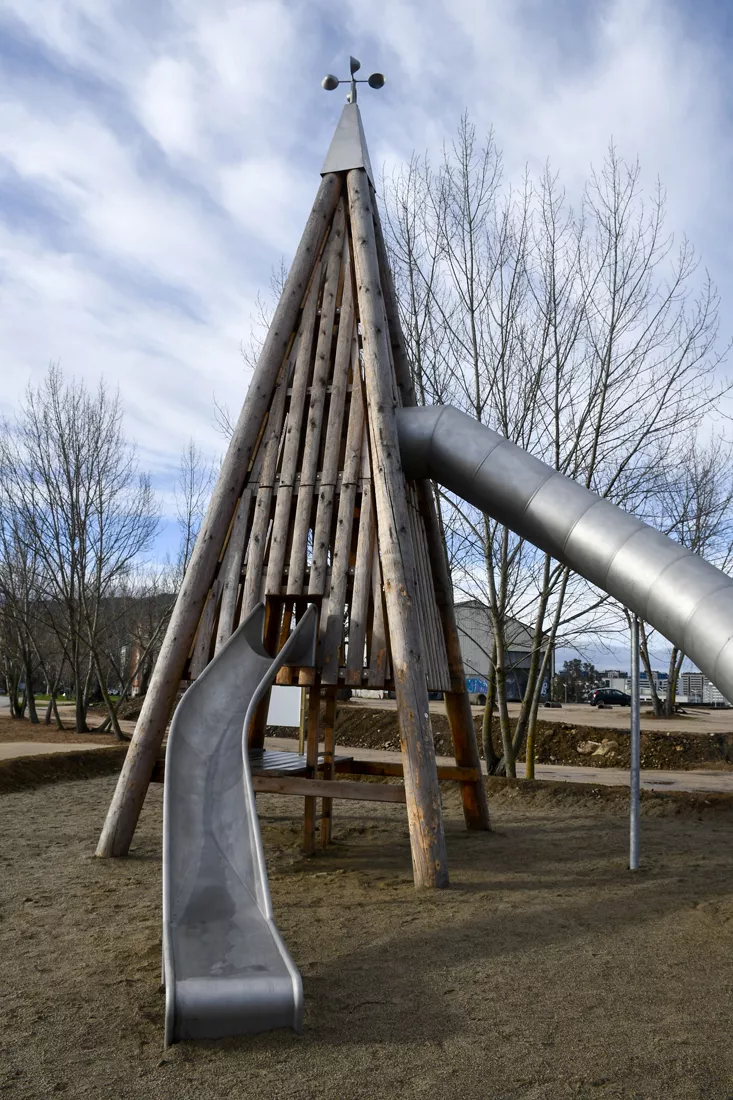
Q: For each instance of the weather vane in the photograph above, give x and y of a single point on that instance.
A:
(330, 83)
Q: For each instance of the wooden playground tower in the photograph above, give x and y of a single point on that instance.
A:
(311, 507)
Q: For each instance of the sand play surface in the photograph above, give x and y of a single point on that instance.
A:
(547, 971)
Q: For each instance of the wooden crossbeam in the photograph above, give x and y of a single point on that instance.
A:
(327, 788)
(446, 772)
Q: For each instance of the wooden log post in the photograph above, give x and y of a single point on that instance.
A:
(422, 789)
(457, 705)
(328, 771)
(311, 768)
(134, 780)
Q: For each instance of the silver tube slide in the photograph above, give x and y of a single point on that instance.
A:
(682, 596)
(226, 969)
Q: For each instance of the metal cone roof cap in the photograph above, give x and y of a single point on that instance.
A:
(348, 147)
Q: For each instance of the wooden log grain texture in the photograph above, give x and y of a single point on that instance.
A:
(428, 614)
(311, 765)
(127, 801)
(322, 367)
(281, 524)
(446, 772)
(322, 534)
(332, 623)
(362, 578)
(320, 788)
(231, 567)
(379, 666)
(460, 717)
(257, 546)
(327, 766)
(202, 643)
(424, 812)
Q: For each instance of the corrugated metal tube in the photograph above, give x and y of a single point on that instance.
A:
(682, 596)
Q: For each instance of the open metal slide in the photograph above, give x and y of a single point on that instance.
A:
(686, 599)
(226, 969)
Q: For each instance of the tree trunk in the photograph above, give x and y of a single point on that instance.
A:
(80, 710)
(675, 664)
(644, 650)
(487, 732)
(32, 712)
(111, 712)
(16, 707)
(507, 764)
(529, 756)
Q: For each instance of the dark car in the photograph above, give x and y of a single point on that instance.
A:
(609, 697)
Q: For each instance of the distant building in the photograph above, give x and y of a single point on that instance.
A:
(692, 687)
(476, 637)
(692, 684)
(613, 678)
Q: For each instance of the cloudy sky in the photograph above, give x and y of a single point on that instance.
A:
(158, 158)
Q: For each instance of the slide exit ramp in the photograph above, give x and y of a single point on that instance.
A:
(682, 596)
(225, 967)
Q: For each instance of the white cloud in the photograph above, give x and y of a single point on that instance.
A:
(178, 151)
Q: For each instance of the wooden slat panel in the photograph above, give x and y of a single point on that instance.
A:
(263, 504)
(231, 568)
(332, 623)
(291, 444)
(438, 673)
(328, 788)
(428, 642)
(202, 644)
(379, 651)
(362, 579)
(329, 475)
(314, 422)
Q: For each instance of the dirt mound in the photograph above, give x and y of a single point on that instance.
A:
(557, 742)
(20, 729)
(34, 771)
(131, 708)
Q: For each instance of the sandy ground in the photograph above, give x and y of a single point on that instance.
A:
(547, 971)
(11, 749)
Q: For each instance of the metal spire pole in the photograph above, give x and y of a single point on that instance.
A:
(635, 761)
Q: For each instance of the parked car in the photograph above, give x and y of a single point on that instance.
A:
(609, 697)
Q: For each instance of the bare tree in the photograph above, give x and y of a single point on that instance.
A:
(693, 504)
(192, 492)
(85, 512)
(585, 336)
(19, 593)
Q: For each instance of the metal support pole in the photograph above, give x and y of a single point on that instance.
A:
(635, 761)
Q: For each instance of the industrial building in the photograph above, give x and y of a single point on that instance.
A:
(476, 637)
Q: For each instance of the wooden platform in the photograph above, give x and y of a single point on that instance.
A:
(275, 771)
